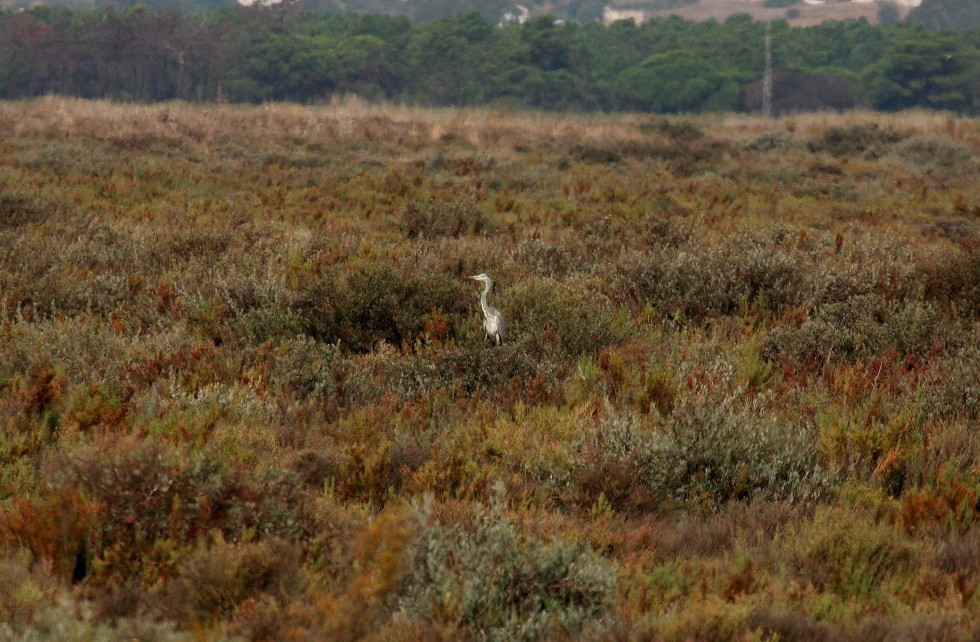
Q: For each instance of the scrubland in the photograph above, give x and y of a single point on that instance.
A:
(244, 393)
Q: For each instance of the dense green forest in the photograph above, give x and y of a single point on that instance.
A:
(666, 65)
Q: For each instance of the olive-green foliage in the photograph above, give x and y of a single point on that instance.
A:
(307, 368)
(937, 156)
(501, 585)
(74, 621)
(779, 141)
(427, 220)
(850, 555)
(18, 209)
(698, 282)
(870, 140)
(957, 390)
(858, 328)
(710, 452)
(477, 369)
(683, 130)
(559, 321)
(371, 302)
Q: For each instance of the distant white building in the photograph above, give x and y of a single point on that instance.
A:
(610, 15)
(509, 18)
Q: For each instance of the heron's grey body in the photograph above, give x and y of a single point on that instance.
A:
(493, 321)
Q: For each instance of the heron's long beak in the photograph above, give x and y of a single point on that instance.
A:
(472, 278)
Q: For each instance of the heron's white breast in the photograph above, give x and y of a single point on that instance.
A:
(490, 324)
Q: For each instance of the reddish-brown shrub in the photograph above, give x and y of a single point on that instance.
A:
(61, 530)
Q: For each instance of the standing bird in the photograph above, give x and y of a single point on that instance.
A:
(493, 321)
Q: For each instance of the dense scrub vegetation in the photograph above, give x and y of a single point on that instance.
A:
(666, 65)
(244, 392)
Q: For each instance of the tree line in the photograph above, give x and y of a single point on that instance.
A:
(253, 55)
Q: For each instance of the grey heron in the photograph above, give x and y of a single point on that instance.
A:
(493, 321)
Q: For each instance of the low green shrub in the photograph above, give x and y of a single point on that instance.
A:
(371, 302)
(18, 209)
(941, 156)
(543, 258)
(955, 390)
(867, 139)
(679, 129)
(848, 554)
(85, 348)
(955, 280)
(305, 368)
(558, 320)
(860, 327)
(71, 619)
(500, 584)
(699, 282)
(434, 219)
(707, 453)
(476, 368)
(777, 141)
(595, 153)
(682, 156)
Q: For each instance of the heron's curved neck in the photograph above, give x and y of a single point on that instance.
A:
(483, 298)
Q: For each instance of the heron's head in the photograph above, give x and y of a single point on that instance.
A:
(483, 276)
